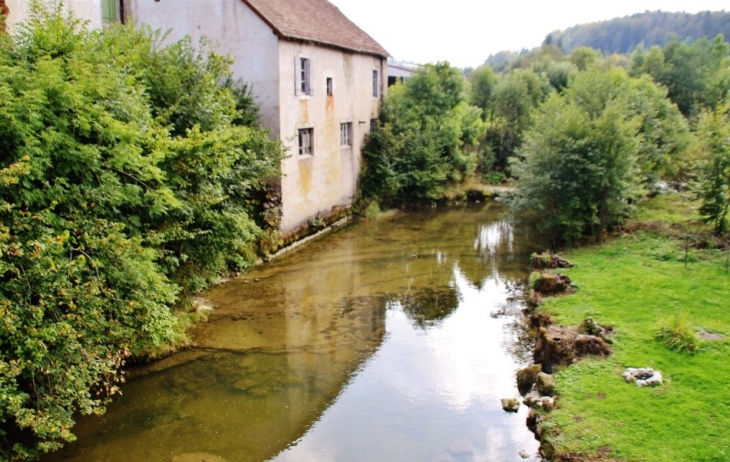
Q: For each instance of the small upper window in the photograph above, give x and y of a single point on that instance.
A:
(346, 134)
(330, 89)
(376, 84)
(304, 76)
(306, 141)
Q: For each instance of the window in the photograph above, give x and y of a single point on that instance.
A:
(306, 141)
(304, 76)
(112, 11)
(330, 90)
(346, 134)
(376, 84)
(373, 124)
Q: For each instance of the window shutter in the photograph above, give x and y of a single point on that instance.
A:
(297, 75)
(308, 76)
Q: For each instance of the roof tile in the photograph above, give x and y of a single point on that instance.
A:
(317, 21)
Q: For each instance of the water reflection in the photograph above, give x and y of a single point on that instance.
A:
(392, 340)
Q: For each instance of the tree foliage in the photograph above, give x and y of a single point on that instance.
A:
(516, 97)
(127, 175)
(697, 75)
(426, 140)
(591, 150)
(713, 128)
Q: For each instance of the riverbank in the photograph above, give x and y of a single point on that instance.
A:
(638, 282)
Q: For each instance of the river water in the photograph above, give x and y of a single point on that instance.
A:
(391, 340)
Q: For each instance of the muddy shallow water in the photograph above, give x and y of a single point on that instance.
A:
(391, 340)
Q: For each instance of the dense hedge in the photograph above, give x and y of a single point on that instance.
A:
(128, 177)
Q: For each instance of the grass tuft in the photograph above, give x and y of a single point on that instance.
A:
(679, 335)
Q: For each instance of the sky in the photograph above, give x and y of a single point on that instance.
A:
(466, 32)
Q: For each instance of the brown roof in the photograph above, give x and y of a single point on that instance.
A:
(316, 21)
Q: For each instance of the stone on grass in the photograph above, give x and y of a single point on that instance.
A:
(510, 404)
(527, 377)
(534, 400)
(545, 384)
(565, 345)
(551, 284)
(644, 377)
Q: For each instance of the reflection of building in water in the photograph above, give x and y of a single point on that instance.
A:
(328, 316)
(271, 360)
(280, 348)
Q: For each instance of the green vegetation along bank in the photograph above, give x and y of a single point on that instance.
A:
(132, 175)
(665, 287)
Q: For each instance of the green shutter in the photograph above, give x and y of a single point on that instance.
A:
(109, 11)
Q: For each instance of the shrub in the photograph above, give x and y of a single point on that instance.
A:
(427, 139)
(126, 175)
(679, 335)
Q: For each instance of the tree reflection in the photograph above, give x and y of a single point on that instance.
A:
(428, 307)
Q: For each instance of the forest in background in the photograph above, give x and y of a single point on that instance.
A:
(623, 35)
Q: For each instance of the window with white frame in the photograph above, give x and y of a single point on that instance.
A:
(306, 141)
(346, 134)
(303, 76)
(376, 84)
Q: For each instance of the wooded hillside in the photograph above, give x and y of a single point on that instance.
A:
(622, 35)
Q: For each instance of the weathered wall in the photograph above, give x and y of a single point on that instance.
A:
(314, 184)
(87, 10)
(234, 30)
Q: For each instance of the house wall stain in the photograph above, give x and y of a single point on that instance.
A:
(327, 179)
(304, 112)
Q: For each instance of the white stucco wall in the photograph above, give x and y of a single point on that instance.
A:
(234, 30)
(315, 184)
(87, 10)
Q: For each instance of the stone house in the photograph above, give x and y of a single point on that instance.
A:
(317, 77)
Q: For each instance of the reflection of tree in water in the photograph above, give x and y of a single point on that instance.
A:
(430, 306)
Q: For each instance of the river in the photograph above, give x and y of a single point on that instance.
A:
(389, 340)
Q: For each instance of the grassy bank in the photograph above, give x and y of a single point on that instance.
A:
(639, 283)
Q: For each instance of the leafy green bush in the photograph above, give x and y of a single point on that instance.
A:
(679, 335)
(427, 139)
(591, 149)
(127, 177)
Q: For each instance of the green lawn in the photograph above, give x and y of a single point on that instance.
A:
(637, 282)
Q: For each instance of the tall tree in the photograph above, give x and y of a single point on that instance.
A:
(427, 138)
(713, 135)
(591, 149)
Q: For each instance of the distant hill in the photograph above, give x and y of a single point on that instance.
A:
(622, 35)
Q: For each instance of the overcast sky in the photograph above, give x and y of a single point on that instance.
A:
(466, 32)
